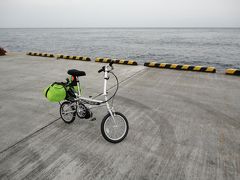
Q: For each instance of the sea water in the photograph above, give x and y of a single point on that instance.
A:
(219, 47)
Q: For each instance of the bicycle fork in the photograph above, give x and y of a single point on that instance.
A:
(110, 110)
(105, 94)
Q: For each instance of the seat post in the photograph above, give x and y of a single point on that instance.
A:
(78, 84)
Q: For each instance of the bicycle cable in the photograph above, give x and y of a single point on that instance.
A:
(113, 86)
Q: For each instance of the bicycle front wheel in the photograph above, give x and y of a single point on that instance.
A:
(114, 130)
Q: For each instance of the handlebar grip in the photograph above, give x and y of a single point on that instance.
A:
(100, 70)
(111, 63)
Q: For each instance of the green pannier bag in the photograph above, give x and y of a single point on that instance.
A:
(56, 92)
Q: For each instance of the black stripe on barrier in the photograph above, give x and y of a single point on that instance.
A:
(87, 59)
(51, 55)
(203, 69)
(168, 66)
(180, 67)
(31, 53)
(237, 73)
(190, 68)
(79, 58)
(146, 64)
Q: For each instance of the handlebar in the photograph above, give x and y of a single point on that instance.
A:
(104, 67)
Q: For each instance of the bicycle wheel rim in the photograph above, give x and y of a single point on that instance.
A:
(81, 111)
(67, 112)
(116, 131)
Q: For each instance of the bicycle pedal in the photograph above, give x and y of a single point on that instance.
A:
(93, 119)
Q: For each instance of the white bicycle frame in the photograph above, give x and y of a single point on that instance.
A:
(91, 100)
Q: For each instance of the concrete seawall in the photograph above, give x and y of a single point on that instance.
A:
(183, 125)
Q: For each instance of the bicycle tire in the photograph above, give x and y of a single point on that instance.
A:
(104, 132)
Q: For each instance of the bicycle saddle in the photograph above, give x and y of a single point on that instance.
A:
(75, 72)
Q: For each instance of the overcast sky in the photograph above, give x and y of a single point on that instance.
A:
(119, 13)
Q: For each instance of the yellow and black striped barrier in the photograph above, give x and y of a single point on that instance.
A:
(59, 56)
(116, 61)
(128, 62)
(181, 67)
(81, 58)
(233, 72)
(103, 60)
(40, 54)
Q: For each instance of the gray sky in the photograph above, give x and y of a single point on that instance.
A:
(119, 13)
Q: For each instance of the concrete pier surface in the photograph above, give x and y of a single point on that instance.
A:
(183, 125)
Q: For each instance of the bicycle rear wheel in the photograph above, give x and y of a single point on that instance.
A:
(114, 131)
(68, 111)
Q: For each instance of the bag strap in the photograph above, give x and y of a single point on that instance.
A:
(59, 83)
(47, 91)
